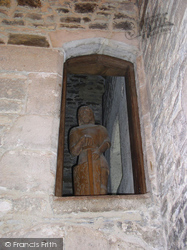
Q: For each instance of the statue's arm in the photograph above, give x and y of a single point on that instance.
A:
(75, 143)
(104, 146)
(104, 143)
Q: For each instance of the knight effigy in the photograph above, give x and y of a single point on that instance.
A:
(89, 141)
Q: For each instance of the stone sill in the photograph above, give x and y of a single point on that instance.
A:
(101, 203)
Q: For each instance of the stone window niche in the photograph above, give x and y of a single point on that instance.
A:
(107, 84)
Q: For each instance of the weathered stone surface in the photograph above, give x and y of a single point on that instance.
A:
(92, 239)
(32, 59)
(5, 3)
(50, 11)
(109, 203)
(34, 16)
(10, 106)
(12, 88)
(14, 23)
(44, 94)
(44, 26)
(124, 25)
(120, 16)
(62, 10)
(1, 41)
(107, 7)
(166, 92)
(86, 19)
(98, 26)
(5, 206)
(33, 132)
(30, 3)
(42, 229)
(3, 13)
(71, 26)
(165, 81)
(70, 19)
(18, 15)
(26, 204)
(28, 40)
(25, 169)
(85, 7)
(7, 119)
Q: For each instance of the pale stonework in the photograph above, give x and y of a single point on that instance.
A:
(31, 79)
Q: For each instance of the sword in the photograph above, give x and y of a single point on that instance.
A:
(90, 171)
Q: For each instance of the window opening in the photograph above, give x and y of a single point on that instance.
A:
(109, 73)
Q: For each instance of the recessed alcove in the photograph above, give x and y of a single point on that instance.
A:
(106, 84)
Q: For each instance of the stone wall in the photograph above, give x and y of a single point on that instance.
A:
(165, 66)
(29, 117)
(31, 80)
(34, 23)
(29, 129)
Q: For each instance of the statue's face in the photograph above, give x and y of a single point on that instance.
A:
(86, 116)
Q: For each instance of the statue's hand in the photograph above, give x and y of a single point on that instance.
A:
(96, 155)
(88, 140)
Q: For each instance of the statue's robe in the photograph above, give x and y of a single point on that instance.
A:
(99, 167)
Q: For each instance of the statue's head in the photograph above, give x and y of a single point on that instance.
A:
(85, 115)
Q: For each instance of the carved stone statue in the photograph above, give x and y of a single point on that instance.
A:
(89, 141)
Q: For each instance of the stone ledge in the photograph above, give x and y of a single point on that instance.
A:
(101, 203)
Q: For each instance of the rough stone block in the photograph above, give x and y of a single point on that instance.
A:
(71, 26)
(33, 132)
(30, 59)
(127, 25)
(10, 106)
(27, 171)
(100, 26)
(1, 41)
(37, 205)
(12, 88)
(70, 19)
(86, 19)
(34, 16)
(6, 119)
(3, 13)
(5, 206)
(5, 3)
(101, 203)
(44, 94)
(30, 3)
(28, 40)
(14, 23)
(62, 10)
(50, 229)
(85, 7)
(18, 15)
(85, 238)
